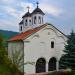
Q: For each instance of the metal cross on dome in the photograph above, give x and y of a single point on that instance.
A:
(28, 8)
(37, 4)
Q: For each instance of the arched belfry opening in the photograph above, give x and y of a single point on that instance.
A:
(52, 64)
(41, 65)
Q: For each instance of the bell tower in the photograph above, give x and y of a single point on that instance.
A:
(25, 24)
(31, 20)
(37, 16)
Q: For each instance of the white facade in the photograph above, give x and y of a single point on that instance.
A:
(38, 46)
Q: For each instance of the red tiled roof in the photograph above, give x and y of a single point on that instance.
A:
(23, 35)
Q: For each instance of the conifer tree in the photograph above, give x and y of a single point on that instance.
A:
(68, 60)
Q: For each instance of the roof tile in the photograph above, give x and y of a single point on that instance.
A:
(23, 35)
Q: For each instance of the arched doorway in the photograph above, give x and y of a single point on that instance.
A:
(52, 64)
(40, 65)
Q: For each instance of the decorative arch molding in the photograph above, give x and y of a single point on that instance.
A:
(62, 37)
(54, 31)
(50, 29)
(35, 35)
(53, 57)
(41, 57)
(43, 43)
(52, 39)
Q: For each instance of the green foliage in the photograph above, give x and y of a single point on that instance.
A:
(7, 35)
(3, 52)
(6, 66)
(68, 60)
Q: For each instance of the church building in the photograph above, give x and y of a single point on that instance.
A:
(39, 46)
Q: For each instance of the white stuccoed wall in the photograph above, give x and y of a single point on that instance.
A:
(38, 46)
(13, 47)
(29, 25)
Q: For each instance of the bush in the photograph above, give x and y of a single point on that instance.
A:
(5, 62)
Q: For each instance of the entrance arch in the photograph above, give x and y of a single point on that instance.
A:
(52, 64)
(40, 65)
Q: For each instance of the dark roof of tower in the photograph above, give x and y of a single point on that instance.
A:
(21, 22)
(28, 14)
(38, 10)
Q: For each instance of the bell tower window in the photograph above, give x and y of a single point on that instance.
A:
(21, 28)
(26, 22)
(39, 20)
(42, 19)
(30, 22)
(35, 20)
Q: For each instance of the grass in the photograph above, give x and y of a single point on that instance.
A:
(4, 70)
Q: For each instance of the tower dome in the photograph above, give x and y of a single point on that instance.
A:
(31, 20)
(37, 16)
(38, 11)
(28, 14)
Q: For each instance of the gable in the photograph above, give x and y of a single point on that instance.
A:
(48, 32)
(46, 29)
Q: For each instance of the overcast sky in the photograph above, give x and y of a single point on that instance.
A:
(60, 13)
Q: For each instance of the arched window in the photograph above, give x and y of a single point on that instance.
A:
(21, 28)
(26, 22)
(34, 19)
(39, 20)
(52, 44)
(52, 64)
(29, 22)
(42, 19)
(41, 65)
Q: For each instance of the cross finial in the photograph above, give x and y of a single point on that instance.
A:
(37, 4)
(28, 8)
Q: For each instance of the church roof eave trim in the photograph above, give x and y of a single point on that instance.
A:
(21, 22)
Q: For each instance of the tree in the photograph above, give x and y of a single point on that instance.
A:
(3, 52)
(68, 60)
(5, 62)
